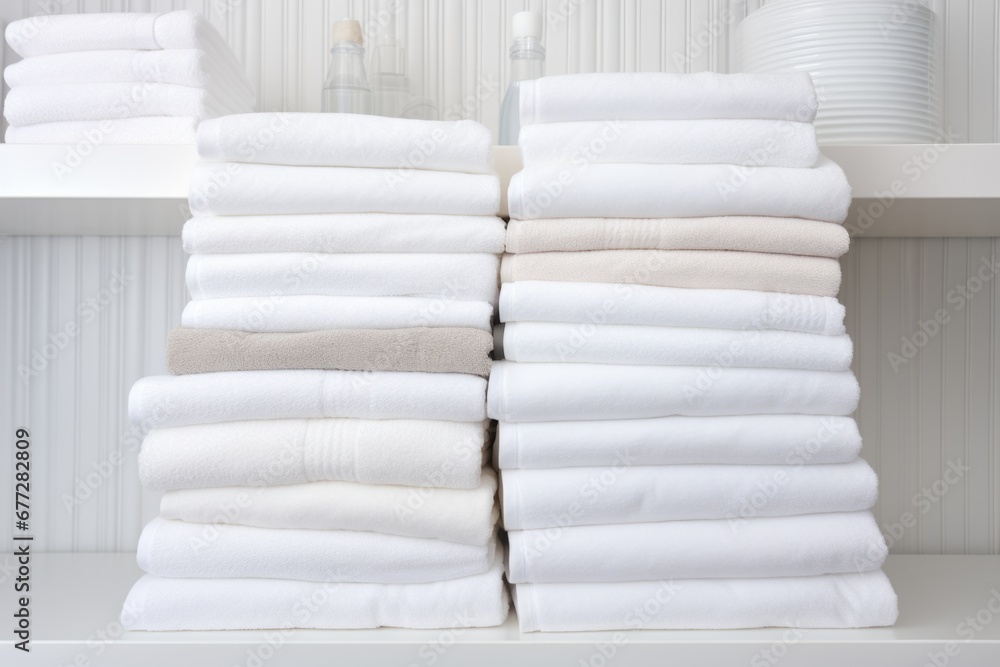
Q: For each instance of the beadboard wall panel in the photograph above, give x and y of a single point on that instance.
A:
(924, 315)
(84, 318)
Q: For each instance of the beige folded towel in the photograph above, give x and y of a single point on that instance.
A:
(711, 269)
(434, 350)
(790, 236)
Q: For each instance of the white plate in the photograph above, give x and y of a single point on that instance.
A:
(858, 12)
(849, 23)
(791, 43)
(863, 124)
(917, 52)
(846, 20)
(809, 5)
(902, 34)
(847, 66)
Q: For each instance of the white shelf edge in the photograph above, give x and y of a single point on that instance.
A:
(901, 190)
(78, 595)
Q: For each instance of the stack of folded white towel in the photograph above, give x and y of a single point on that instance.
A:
(322, 441)
(119, 79)
(675, 443)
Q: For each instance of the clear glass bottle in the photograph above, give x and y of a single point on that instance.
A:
(346, 89)
(390, 87)
(527, 62)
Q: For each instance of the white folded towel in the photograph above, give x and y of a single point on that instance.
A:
(568, 391)
(56, 103)
(456, 515)
(183, 67)
(790, 546)
(743, 439)
(65, 33)
(623, 493)
(349, 140)
(606, 303)
(345, 233)
(678, 191)
(160, 401)
(761, 143)
(413, 452)
(316, 313)
(856, 600)
(234, 188)
(674, 346)
(201, 550)
(462, 276)
(660, 96)
(155, 603)
(143, 130)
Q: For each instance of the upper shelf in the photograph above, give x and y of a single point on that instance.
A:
(922, 190)
(900, 190)
(106, 190)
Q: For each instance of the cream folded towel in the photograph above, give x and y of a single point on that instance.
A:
(56, 103)
(761, 143)
(343, 232)
(645, 96)
(669, 346)
(182, 549)
(156, 603)
(788, 546)
(349, 140)
(786, 236)
(266, 452)
(311, 312)
(856, 600)
(234, 188)
(699, 269)
(569, 391)
(601, 303)
(456, 515)
(623, 493)
(159, 401)
(143, 130)
(741, 439)
(446, 276)
(585, 190)
(424, 349)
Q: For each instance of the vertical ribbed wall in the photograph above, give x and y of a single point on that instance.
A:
(84, 318)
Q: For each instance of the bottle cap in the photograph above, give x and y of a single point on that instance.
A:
(347, 30)
(528, 24)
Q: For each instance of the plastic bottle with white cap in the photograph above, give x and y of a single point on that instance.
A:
(346, 89)
(527, 62)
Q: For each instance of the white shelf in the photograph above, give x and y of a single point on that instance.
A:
(112, 191)
(922, 190)
(949, 190)
(76, 596)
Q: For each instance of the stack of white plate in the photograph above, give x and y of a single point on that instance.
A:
(873, 62)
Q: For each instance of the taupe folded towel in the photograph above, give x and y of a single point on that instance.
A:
(433, 350)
